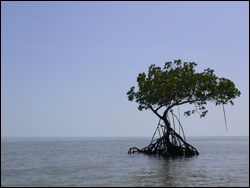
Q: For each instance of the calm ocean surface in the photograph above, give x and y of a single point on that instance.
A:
(223, 161)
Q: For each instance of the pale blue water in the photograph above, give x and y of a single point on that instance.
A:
(223, 161)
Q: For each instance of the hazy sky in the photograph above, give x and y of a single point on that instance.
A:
(67, 66)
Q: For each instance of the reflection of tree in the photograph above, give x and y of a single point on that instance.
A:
(165, 172)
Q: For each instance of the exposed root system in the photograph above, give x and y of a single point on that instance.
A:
(169, 143)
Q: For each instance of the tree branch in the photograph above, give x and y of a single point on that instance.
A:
(184, 102)
(158, 108)
(155, 111)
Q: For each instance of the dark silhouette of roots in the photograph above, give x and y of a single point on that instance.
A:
(168, 144)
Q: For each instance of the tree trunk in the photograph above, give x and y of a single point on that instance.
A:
(167, 127)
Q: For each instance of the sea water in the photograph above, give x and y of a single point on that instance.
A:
(223, 161)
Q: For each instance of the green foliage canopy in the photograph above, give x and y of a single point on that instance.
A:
(177, 83)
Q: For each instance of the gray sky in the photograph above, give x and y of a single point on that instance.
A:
(67, 66)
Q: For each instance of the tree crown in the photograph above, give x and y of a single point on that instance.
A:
(177, 83)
